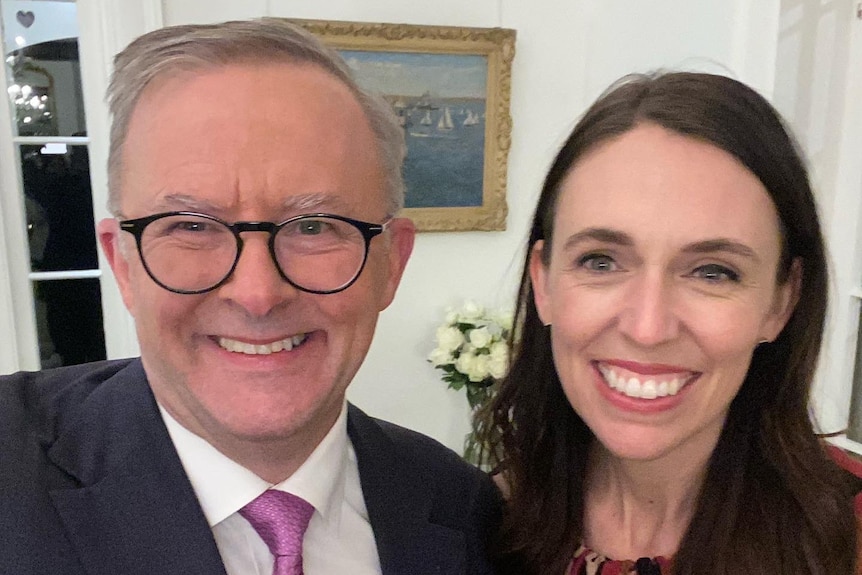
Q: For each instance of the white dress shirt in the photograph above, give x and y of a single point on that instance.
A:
(339, 538)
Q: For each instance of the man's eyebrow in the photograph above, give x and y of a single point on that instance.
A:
(292, 204)
(604, 235)
(725, 245)
(185, 202)
(313, 202)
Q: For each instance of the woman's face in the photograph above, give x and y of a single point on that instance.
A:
(660, 284)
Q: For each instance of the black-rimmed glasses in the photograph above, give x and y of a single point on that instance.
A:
(192, 253)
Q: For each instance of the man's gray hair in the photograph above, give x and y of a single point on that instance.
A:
(198, 47)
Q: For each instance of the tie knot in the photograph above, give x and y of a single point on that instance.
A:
(281, 520)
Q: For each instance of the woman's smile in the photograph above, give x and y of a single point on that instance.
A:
(650, 382)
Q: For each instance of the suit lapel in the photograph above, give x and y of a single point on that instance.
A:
(135, 511)
(399, 498)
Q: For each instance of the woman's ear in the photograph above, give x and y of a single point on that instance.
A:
(786, 298)
(539, 279)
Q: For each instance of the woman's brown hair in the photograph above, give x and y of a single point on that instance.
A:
(772, 500)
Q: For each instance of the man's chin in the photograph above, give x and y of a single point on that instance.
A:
(268, 420)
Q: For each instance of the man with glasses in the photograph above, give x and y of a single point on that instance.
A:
(256, 191)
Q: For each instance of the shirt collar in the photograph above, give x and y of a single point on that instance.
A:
(223, 486)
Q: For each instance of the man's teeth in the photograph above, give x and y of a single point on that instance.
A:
(285, 344)
(634, 387)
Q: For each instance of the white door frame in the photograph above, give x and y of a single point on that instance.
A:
(105, 26)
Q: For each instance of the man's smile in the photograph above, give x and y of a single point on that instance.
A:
(248, 348)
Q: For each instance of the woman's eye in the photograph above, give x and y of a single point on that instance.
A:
(598, 263)
(715, 273)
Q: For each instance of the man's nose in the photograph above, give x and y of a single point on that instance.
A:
(255, 284)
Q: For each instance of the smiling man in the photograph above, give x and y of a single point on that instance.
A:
(256, 238)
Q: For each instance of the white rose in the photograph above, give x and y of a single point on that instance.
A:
(440, 357)
(504, 319)
(451, 316)
(471, 310)
(495, 330)
(500, 350)
(479, 369)
(449, 338)
(464, 363)
(480, 337)
(497, 366)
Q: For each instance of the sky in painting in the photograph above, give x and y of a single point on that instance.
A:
(411, 74)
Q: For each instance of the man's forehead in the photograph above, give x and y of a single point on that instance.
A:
(212, 140)
(245, 97)
(249, 95)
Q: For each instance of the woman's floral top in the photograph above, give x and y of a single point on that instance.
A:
(588, 562)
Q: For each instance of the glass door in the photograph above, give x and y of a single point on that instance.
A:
(53, 202)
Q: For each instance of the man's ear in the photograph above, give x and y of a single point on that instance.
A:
(402, 236)
(786, 298)
(539, 279)
(108, 231)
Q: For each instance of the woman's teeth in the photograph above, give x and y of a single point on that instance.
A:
(655, 386)
(285, 344)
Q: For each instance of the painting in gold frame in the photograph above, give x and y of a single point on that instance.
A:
(450, 88)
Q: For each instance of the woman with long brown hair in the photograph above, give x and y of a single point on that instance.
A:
(655, 416)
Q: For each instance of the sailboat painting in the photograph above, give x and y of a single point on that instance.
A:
(449, 87)
(440, 100)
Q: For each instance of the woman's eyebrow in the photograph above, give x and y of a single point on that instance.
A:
(724, 245)
(604, 235)
(711, 246)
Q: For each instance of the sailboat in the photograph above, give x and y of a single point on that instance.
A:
(445, 124)
(471, 119)
(426, 119)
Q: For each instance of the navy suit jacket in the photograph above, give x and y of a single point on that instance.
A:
(90, 484)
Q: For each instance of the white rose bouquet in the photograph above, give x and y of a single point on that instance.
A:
(473, 353)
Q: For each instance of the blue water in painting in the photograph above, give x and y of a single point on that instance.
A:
(444, 165)
(445, 155)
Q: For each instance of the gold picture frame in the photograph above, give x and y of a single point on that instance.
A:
(444, 82)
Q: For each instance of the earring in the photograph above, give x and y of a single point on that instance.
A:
(762, 341)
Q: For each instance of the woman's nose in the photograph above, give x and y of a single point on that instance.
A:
(648, 315)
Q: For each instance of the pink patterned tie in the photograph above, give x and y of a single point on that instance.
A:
(281, 520)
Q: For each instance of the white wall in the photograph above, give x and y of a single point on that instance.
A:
(567, 53)
(818, 88)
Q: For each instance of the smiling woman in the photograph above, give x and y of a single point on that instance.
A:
(664, 305)
(670, 312)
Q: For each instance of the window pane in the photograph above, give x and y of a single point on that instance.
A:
(42, 68)
(59, 208)
(69, 321)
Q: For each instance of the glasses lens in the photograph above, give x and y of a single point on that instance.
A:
(320, 253)
(188, 253)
